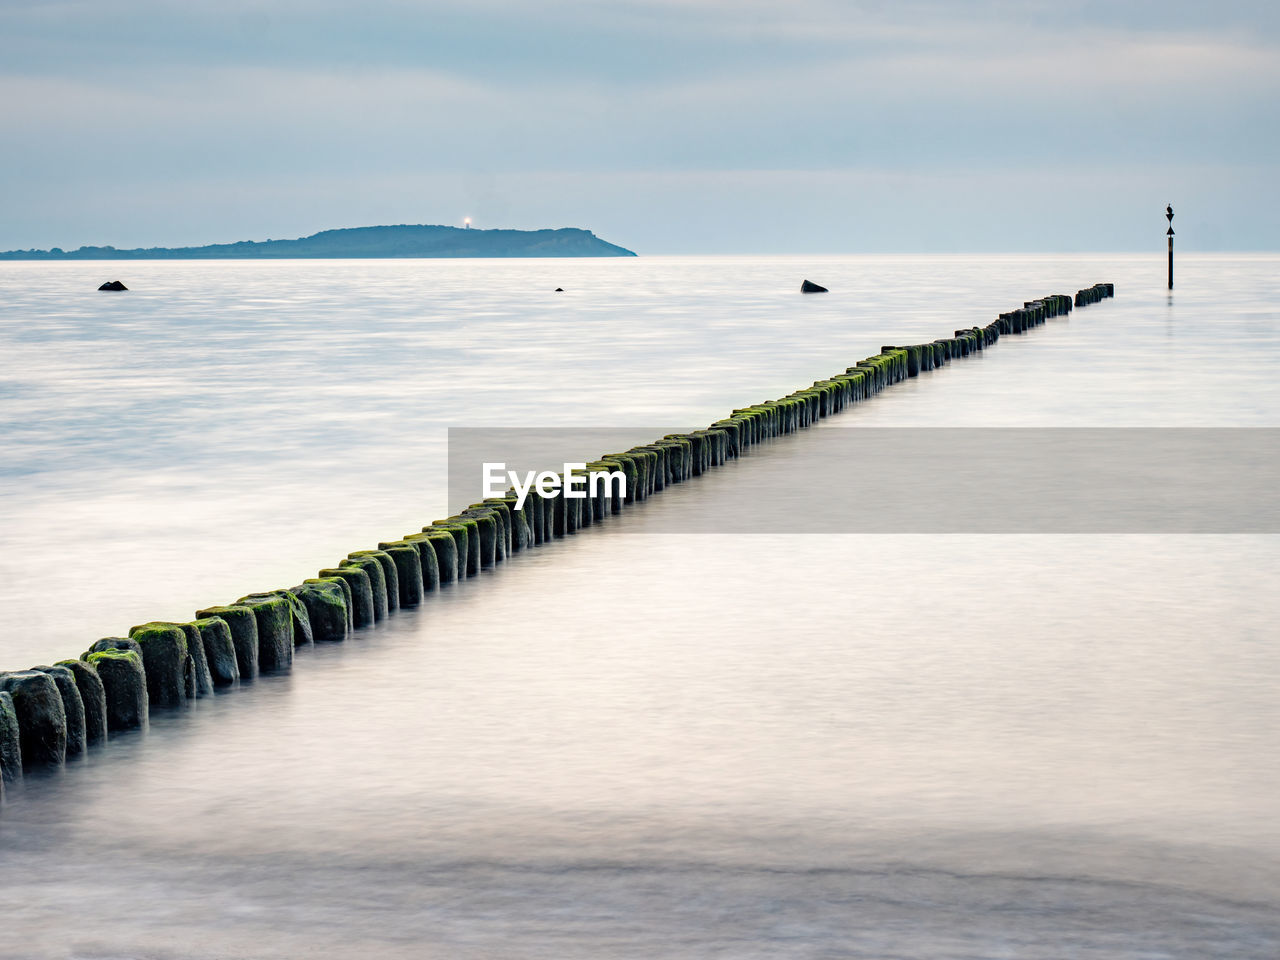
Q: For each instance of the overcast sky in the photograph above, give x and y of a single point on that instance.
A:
(667, 126)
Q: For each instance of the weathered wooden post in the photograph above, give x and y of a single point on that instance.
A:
(1168, 212)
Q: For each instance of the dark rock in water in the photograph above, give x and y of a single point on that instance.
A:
(42, 722)
(243, 624)
(125, 682)
(113, 285)
(327, 608)
(559, 289)
(164, 657)
(10, 741)
(362, 601)
(92, 696)
(275, 630)
(377, 582)
(219, 650)
(298, 612)
(72, 706)
(808, 287)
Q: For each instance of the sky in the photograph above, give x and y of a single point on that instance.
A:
(666, 126)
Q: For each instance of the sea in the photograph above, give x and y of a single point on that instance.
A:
(899, 743)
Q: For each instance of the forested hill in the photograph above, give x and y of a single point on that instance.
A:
(405, 240)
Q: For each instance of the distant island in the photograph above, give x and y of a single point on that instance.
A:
(405, 240)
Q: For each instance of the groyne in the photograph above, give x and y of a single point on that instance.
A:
(50, 714)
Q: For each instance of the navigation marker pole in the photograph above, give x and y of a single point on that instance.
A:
(1168, 212)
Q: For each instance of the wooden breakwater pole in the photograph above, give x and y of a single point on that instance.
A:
(50, 714)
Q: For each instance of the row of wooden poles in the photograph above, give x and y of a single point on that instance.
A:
(49, 714)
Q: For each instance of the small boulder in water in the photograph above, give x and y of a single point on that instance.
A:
(113, 285)
(559, 289)
(809, 287)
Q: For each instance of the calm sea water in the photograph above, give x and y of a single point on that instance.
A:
(958, 746)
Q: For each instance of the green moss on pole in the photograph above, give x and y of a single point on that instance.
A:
(93, 698)
(427, 559)
(501, 511)
(473, 541)
(492, 534)
(113, 643)
(243, 623)
(219, 650)
(488, 526)
(599, 501)
(561, 524)
(460, 534)
(530, 514)
(326, 604)
(113, 684)
(733, 430)
(72, 707)
(372, 568)
(199, 662)
(347, 598)
(275, 630)
(627, 464)
(389, 574)
(362, 603)
(517, 522)
(298, 615)
(446, 548)
(164, 657)
(408, 561)
(124, 681)
(644, 469)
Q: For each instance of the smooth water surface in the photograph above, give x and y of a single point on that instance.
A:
(620, 745)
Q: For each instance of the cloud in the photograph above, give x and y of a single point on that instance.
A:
(150, 98)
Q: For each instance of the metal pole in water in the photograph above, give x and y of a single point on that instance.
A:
(1168, 212)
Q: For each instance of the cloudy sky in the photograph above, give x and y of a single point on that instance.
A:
(668, 126)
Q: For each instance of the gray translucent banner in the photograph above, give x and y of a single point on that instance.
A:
(933, 480)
